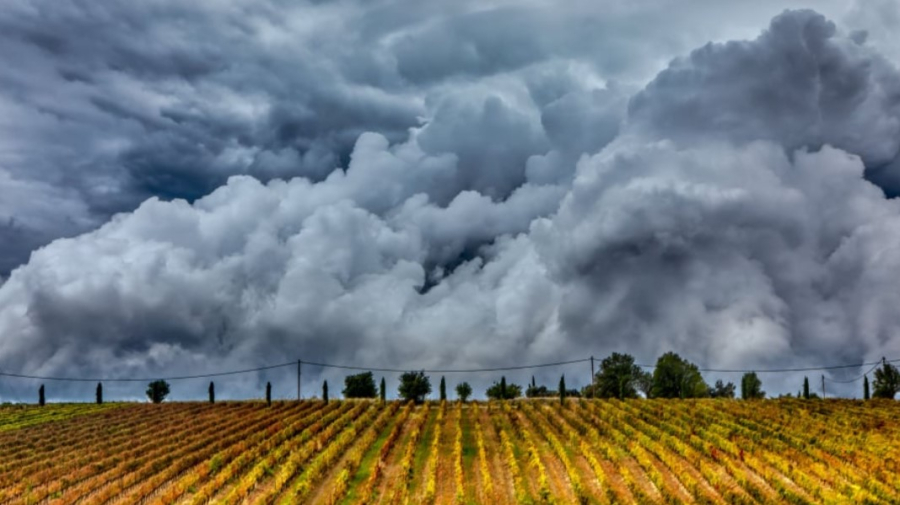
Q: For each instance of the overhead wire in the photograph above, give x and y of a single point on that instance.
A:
(874, 365)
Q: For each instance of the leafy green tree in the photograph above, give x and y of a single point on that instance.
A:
(383, 390)
(463, 391)
(562, 389)
(618, 377)
(361, 385)
(269, 393)
(212, 393)
(443, 389)
(887, 381)
(157, 391)
(675, 377)
(99, 393)
(504, 391)
(751, 387)
(42, 400)
(325, 391)
(806, 388)
(414, 386)
(866, 394)
(721, 390)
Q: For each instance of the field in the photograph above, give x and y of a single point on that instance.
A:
(641, 451)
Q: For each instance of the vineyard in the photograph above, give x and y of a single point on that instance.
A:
(350, 452)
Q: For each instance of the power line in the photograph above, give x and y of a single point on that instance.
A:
(459, 370)
(874, 365)
(145, 379)
(783, 370)
(848, 381)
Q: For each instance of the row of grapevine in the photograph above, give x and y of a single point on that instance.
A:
(367, 488)
(72, 480)
(484, 469)
(458, 458)
(353, 452)
(354, 458)
(399, 490)
(222, 468)
(432, 467)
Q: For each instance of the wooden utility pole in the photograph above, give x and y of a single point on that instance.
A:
(823, 386)
(592, 377)
(298, 379)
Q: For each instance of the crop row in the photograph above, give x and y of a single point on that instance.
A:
(351, 452)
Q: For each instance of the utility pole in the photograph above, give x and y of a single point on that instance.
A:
(823, 386)
(298, 379)
(592, 377)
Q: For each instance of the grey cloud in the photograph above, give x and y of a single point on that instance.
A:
(125, 101)
(343, 205)
(798, 84)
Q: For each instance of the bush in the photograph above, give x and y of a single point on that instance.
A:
(721, 390)
(618, 377)
(503, 391)
(464, 391)
(751, 387)
(414, 386)
(675, 377)
(157, 391)
(887, 381)
(361, 385)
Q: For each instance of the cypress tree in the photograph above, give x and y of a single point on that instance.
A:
(383, 390)
(212, 393)
(502, 387)
(866, 395)
(443, 389)
(806, 388)
(533, 384)
(41, 396)
(269, 393)
(99, 393)
(325, 391)
(562, 390)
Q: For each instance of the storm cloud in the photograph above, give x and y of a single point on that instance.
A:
(223, 185)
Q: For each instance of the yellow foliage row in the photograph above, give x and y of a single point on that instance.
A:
(433, 455)
(610, 451)
(457, 458)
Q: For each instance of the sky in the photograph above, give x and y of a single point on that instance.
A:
(196, 187)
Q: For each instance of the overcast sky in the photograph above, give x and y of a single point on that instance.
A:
(190, 187)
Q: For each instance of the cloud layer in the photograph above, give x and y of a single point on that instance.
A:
(455, 197)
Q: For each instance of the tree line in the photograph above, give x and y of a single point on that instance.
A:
(618, 377)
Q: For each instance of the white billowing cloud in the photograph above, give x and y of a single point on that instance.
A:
(534, 213)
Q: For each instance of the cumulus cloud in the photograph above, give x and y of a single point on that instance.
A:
(171, 99)
(799, 84)
(379, 207)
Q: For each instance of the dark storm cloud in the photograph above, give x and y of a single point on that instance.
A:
(798, 84)
(520, 201)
